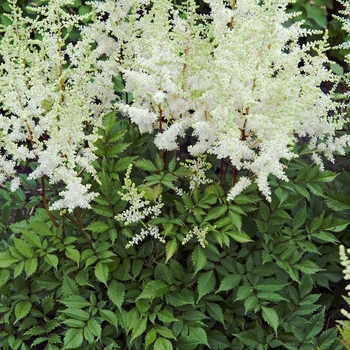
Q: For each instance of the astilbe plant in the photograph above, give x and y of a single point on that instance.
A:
(53, 95)
(144, 241)
(238, 79)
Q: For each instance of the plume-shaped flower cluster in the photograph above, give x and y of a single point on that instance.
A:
(238, 78)
(53, 94)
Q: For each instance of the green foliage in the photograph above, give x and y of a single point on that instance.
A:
(70, 283)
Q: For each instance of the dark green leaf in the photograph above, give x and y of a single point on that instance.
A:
(270, 316)
(308, 267)
(138, 327)
(229, 282)
(215, 312)
(153, 289)
(116, 293)
(198, 334)
(337, 201)
(206, 283)
(73, 338)
(146, 165)
(22, 309)
(198, 258)
(101, 272)
(217, 340)
(162, 344)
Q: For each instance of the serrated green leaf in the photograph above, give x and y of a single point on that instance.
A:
(240, 237)
(198, 334)
(116, 293)
(186, 343)
(229, 282)
(162, 344)
(73, 254)
(250, 303)
(94, 327)
(98, 227)
(151, 336)
(270, 296)
(244, 292)
(305, 286)
(30, 266)
(248, 338)
(176, 299)
(308, 267)
(123, 163)
(4, 276)
(153, 289)
(216, 212)
(206, 283)
(101, 272)
(109, 316)
(337, 68)
(325, 236)
(22, 309)
(217, 340)
(215, 312)
(23, 248)
(264, 211)
(138, 327)
(32, 238)
(103, 210)
(51, 260)
(187, 201)
(136, 267)
(38, 340)
(47, 303)
(18, 269)
(146, 164)
(172, 164)
(270, 316)
(171, 248)
(40, 227)
(36, 330)
(6, 260)
(114, 150)
(337, 201)
(337, 225)
(198, 258)
(166, 316)
(270, 285)
(327, 338)
(165, 332)
(325, 176)
(73, 338)
(77, 314)
(73, 323)
(75, 302)
(69, 286)
(292, 271)
(299, 218)
(194, 316)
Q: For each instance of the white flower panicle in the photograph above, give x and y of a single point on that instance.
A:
(198, 167)
(139, 208)
(345, 261)
(237, 79)
(52, 100)
(198, 232)
(150, 230)
(239, 187)
(241, 82)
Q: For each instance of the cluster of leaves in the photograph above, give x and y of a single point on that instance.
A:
(264, 280)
